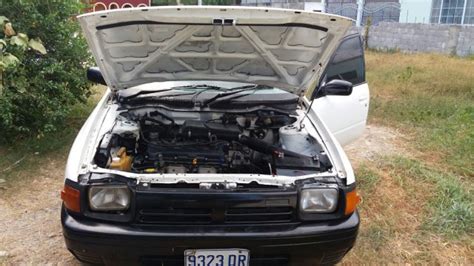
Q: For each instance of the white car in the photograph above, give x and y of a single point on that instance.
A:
(218, 141)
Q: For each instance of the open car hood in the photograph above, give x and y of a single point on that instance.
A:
(287, 49)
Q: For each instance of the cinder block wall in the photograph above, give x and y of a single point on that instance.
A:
(417, 37)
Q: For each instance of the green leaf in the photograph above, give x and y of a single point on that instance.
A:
(3, 20)
(3, 45)
(21, 40)
(23, 36)
(9, 61)
(37, 45)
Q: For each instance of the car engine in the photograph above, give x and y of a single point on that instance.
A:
(262, 142)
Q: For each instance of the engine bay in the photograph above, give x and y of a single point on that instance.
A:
(260, 142)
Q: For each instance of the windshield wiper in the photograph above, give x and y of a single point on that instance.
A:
(166, 96)
(124, 98)
(233, 91)
(253, 86)
(199, 86)
(195, 94)
(145, 92)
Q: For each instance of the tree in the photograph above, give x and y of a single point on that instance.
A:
(17, 42)
(40, 89)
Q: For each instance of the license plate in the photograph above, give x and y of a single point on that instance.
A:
(216, 257)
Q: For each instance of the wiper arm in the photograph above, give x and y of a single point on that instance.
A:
(199, 86)
(131, 99)
(220, 95)
(253, 86)
(124, 98)
(233, 91)
(145, 92)
(202, 87)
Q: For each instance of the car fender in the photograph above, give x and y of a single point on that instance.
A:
(76, 162)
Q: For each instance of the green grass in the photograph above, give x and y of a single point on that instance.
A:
(377, 236)
(27, 153)
(449, 209)
(431, 96)
(441, 127)
(431, 99)
(417, 206)
(367, 178)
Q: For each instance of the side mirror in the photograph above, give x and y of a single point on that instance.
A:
(336, 87)
(94, 75)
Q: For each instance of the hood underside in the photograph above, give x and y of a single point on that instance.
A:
(274, 47)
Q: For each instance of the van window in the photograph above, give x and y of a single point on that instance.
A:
(348, 61)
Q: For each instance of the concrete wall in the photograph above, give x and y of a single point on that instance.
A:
(417, 37)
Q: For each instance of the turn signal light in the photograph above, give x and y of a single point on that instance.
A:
(71, 198)
(352, 199)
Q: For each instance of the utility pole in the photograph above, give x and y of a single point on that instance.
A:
(464, 12)
(440, 11)
(360, 12)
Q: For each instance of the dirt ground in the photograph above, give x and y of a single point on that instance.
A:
(30, 231)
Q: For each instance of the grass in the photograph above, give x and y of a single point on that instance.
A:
(412, 213)
(430, 97)
(368, 178)
(449, 209)
(418, 205)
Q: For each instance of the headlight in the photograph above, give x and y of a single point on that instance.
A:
(318, 200)
(109, 198)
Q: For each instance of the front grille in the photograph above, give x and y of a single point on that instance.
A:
(259, 215)
(224, 215)
(176, 216)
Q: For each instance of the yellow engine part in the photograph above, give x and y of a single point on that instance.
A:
(150, 170)
(122, 162)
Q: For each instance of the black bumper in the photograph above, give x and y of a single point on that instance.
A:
(309, 244)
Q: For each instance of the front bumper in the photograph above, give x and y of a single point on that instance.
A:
(111, 243)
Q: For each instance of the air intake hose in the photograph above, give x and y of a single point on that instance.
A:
(266, 148)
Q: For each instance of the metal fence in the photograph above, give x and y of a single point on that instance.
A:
(377, 12)
(293, 4)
